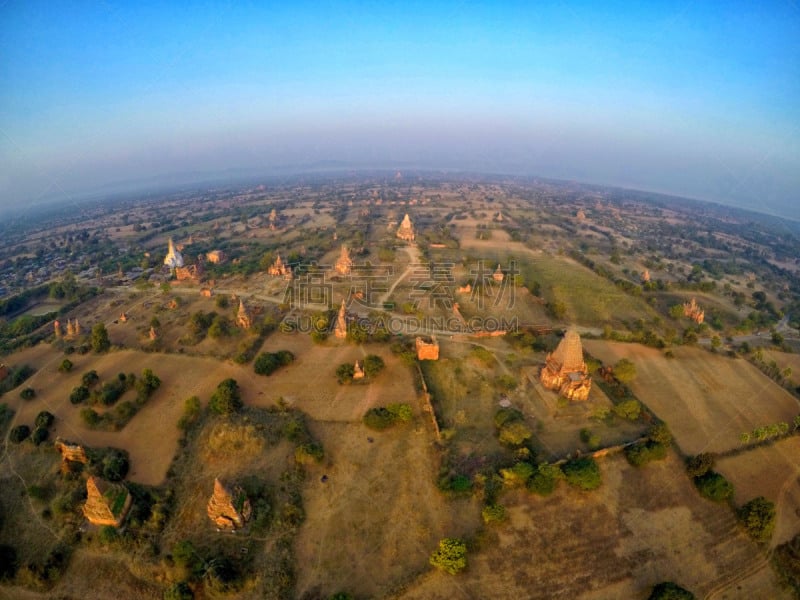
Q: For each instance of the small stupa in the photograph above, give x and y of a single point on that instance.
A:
(341, 322)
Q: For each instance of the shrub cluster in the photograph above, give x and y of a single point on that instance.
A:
(267, 363)
(383, 417)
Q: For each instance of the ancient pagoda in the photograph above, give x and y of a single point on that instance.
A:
(106, 503)
(498, 275)
(341, 322)
(228, 509)
(565, 370)
(173, 259)
(243, 318)
(692, 310)
(280, 269)
(344, 264)
(406, 230)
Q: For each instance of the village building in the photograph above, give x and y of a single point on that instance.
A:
(406, 230)
(565, 370)
(243, 318)
(173, 259)
(106, 503)
(340, 331)
(228, 508)
(427, 350)
(692, 310)
(344, 264)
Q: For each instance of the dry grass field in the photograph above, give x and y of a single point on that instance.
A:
(707, 400)
(641, 527)
(773, 472)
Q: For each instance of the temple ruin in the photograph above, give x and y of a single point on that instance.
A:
(340, 330)
(216, 257)
(71, 452)
(173, 259)
(406, 230)
(57, 329)
(280, 269)
(243, 318)
(692, 310)
(565, 370)
(228, 509)
(344, 264)
(106, 503)
(646, 276)
(427, 350)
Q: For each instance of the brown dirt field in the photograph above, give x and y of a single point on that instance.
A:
(641, 527)
(370, 527)
(151, 437)
(706, 399)
(773, 472)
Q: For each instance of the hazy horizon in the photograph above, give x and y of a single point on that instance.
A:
(699, 102)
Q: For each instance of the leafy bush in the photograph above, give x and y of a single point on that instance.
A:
(267, 363)
(100, 341)
(373, 364)
(44, 419)
(517, 475)
(65, 366)
(381, 417)
(146, 385)
(226, 399)
(507, 382)
(90, 417)
(308, 453)
(27, 394)
(79, 394)
(20, 433)
(450, 556)
(697, 466)
(758, 518)
(345, 372)
(179, 591)
(670, 591)
(545, 479)
(624, 371)
(514, 433)
(628, 409)
(456, 484)
(583, 473)
(493, 513)
(90, 378)
(714, 486)
(506, 415)
(590, 439)
(39, 435)
(660, 434)
(115, 465)
(641, 453)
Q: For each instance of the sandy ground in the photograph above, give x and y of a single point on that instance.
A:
(707, 400)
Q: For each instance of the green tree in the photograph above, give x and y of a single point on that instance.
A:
(514, 433)
(583, 473)
(697, 466)
(344, 373)
(714, 486)
(226, 399)
(20, 433)
(373, 364)
(45, 419)
(758, 518)
(65, 366)
(628, 409)
(100, 341)
(660, 434)
(450, 556)
(179, 591)
(493, 513)
(27, 393)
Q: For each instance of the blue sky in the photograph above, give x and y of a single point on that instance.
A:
(694, 100)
